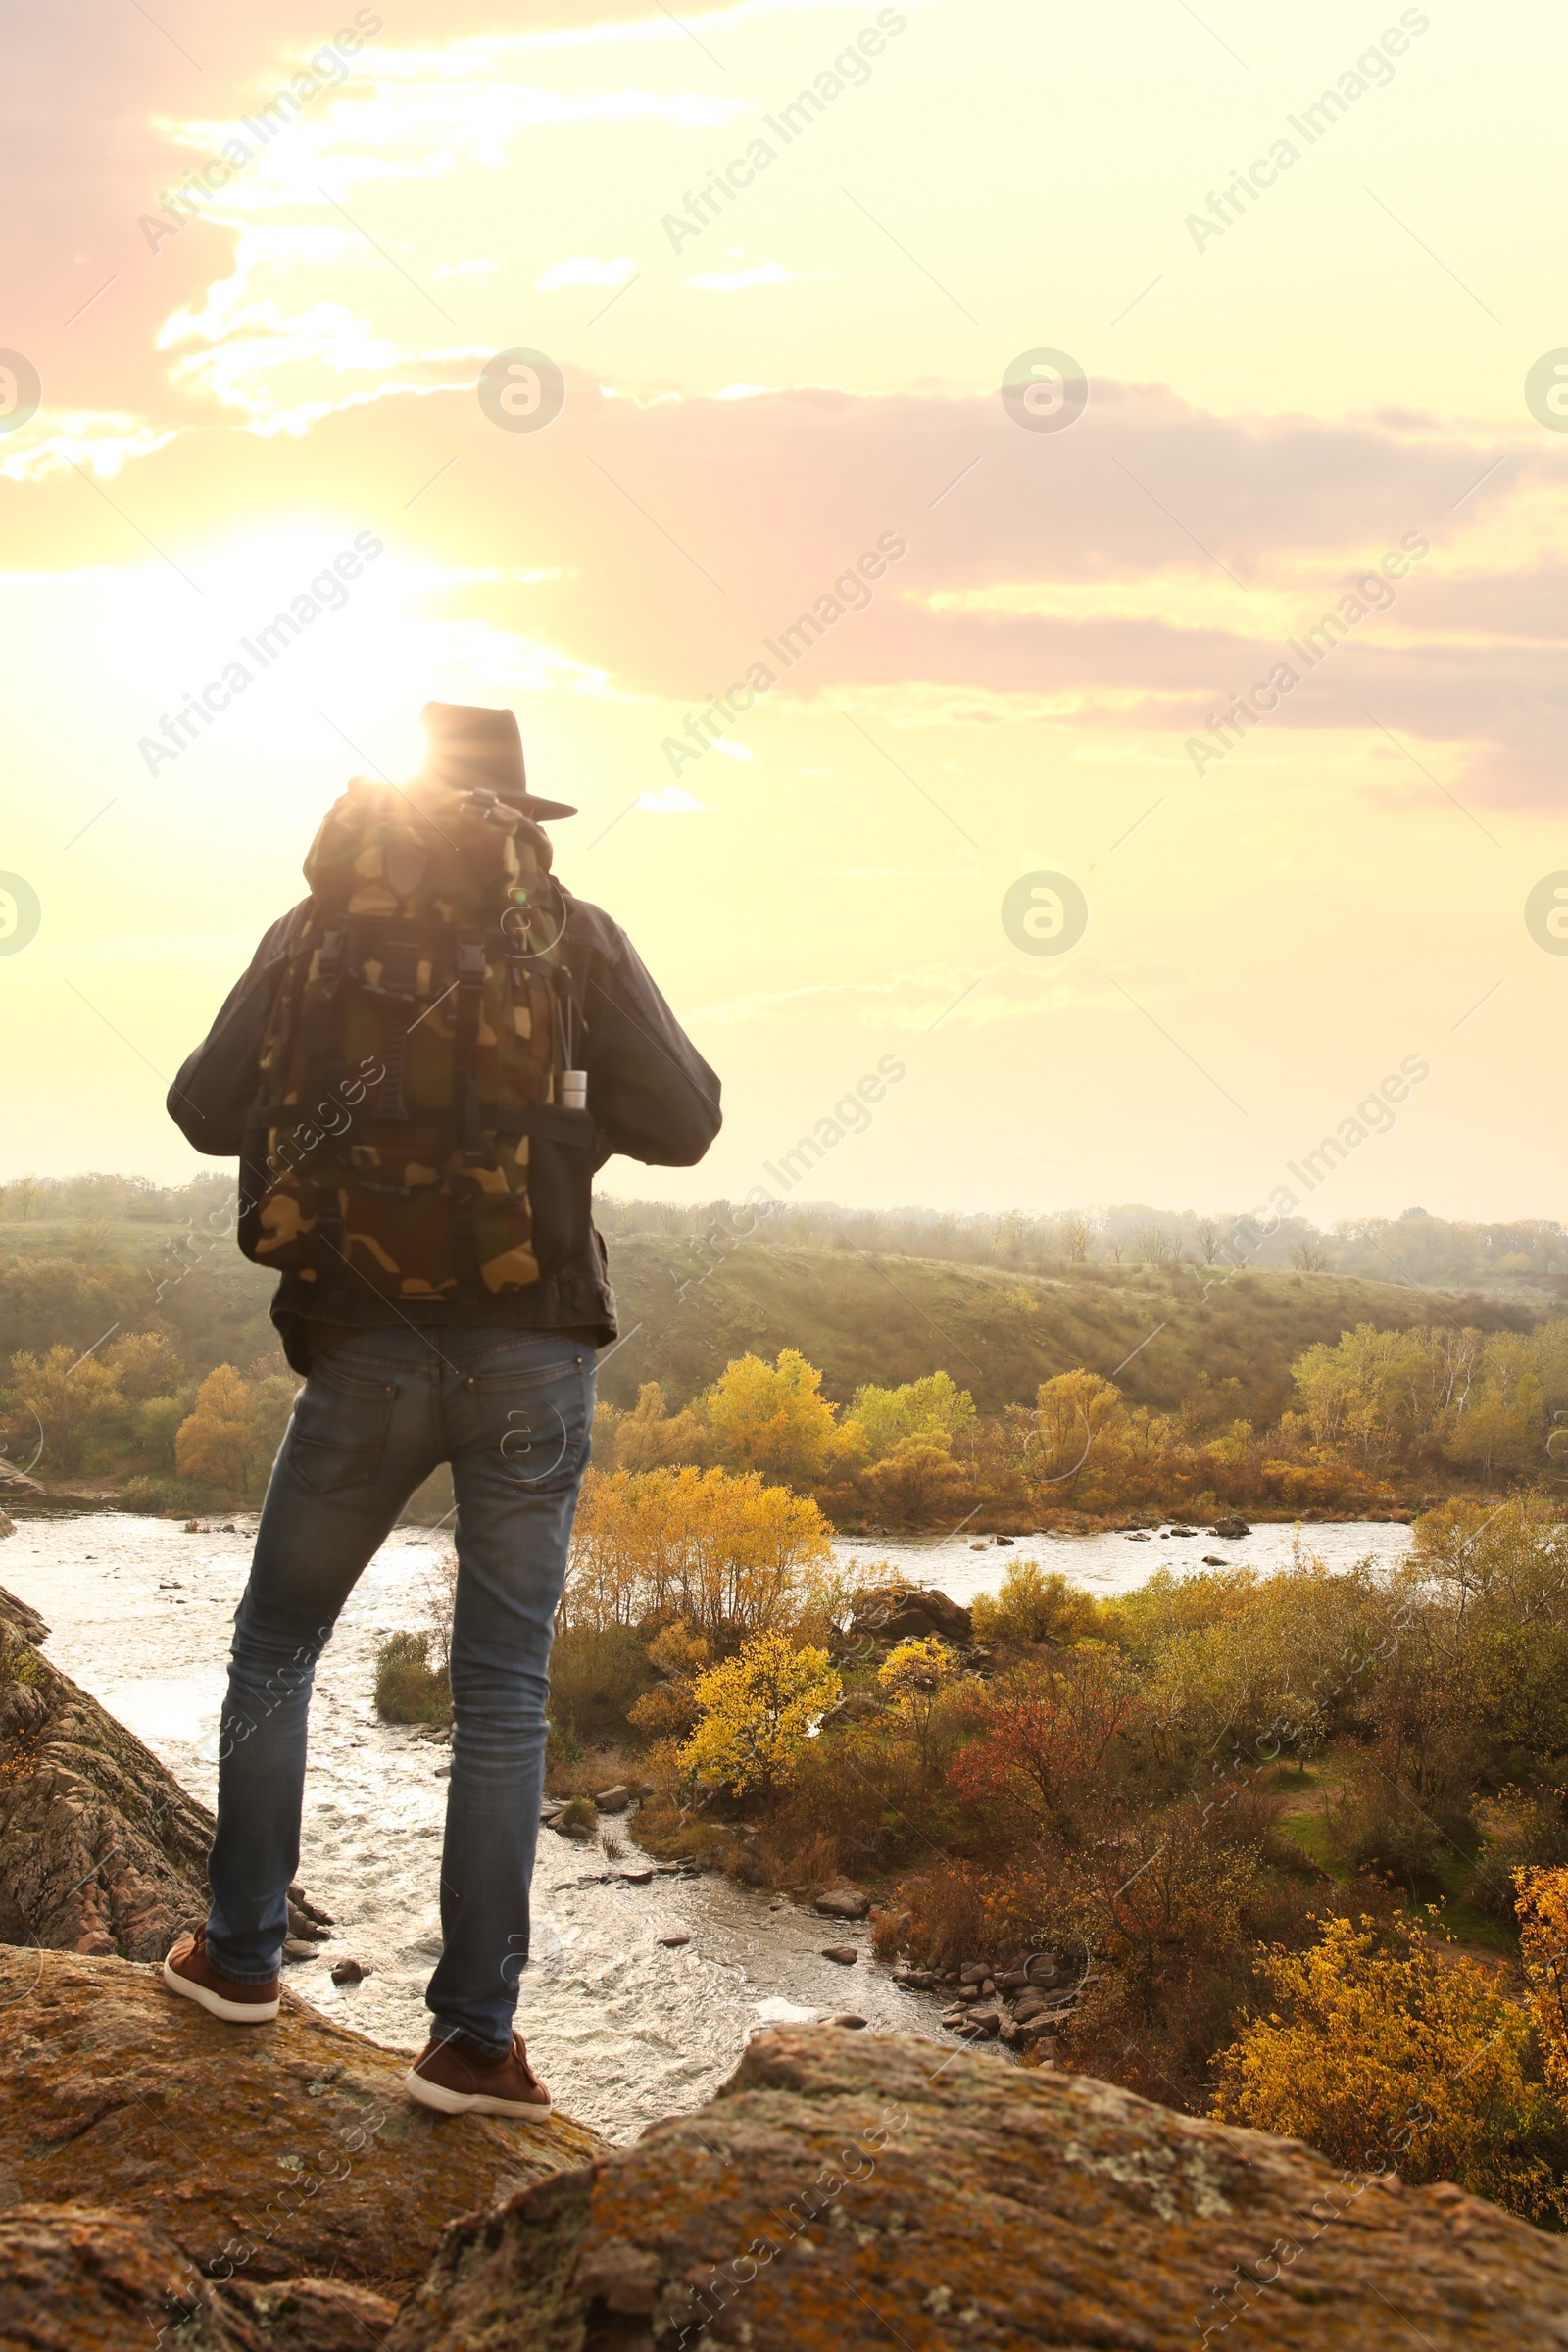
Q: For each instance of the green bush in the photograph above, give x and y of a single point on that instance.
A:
(1034, 1605)
(153, 1495)
(597, 1674)
(407, 1688)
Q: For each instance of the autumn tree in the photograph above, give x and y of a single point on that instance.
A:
(1035, 1606)
(1398, 2060)
(145, 1364)
(679, 1657)
(71, 1399)
(757, 1712)
(728, 1554)
(648, 1437)
(772, 1418)
(1041, 1736)
(1070, 1412)
(918, 1484)
(234, 1430)
(934, 1409)
(916, 1676)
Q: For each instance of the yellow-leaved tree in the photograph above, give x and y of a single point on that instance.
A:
(915, 1675)
(1542, 1902)
(725, 1554)
(772, 1418)
(757, 1712)
(70, 1398)
(1397, 2060)
(235, 1431)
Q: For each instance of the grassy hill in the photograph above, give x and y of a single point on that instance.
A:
(889, 1318)
(858, 1315)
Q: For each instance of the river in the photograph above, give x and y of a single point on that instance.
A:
(622, 2026)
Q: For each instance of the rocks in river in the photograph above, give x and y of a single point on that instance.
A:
(637, 1876)
(294, 2141)
(1139, 1535)
(1230, 1530)
(844, 1902)
(846, 1954)
(673, 1942)
(614, 1800)
(1212, 1559)
(844, 2017)
(348, 1972)
(296, 1948)
(8, 1526)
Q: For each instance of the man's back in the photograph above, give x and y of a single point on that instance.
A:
(340, 1124)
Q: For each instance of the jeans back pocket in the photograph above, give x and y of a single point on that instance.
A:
(537, 1418)
(338, 1433)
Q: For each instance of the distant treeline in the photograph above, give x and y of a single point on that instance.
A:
(1532, 1253)
(1526, 1254)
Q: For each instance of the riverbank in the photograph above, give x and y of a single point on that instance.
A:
(626, 2021)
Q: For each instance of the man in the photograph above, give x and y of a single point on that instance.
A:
(421, 1070)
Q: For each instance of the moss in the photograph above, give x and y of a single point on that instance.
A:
(20, 1664)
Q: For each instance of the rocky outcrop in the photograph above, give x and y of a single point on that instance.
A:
(88, 2279)
(849, 2191)
(284, 2151)
(85, 2278)
(101, 1851)
(899, 1612)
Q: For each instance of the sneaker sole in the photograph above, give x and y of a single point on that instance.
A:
(462, 2102)
(232, 2013)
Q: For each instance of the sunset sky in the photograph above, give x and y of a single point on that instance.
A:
(1339, 370)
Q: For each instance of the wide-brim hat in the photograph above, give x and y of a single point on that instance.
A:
(481, 751)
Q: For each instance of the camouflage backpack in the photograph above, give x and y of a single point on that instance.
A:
(418, 1057)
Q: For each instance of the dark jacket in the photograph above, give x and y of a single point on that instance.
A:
(652, 1095)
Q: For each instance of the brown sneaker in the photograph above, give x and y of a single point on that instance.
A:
(188, 1970)
(452, 2078)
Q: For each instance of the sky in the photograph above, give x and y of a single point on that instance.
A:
(1159, 415)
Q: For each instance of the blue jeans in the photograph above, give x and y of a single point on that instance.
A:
(512, 1412)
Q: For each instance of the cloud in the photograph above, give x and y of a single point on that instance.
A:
(917, 1000)
(583, 271)
(673, 802)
